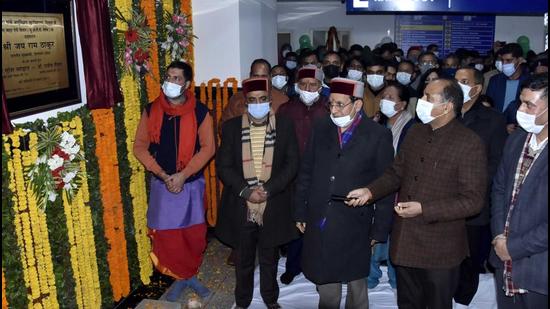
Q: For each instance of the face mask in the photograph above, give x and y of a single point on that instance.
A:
(436, 53)
(465, 91)
(291, 64)
(424, 111)
(355, 75)
(343, 121)
(259, 110)
(508, 69)
(479, 67)
(171, 90)
(398, 59)
(403, 78)
(307, 97)
(375, 81)
(279, 81)
(331, 71)
(425, 67)
(450, 72)
(387, 108)
(527, 122)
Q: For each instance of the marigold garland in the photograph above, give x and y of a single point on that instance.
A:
(152, 79)
(112, 202)
(4, 299)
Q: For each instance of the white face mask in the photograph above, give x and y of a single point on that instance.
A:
(509, 69)
(307, 97)
(343, 121)
(259, 110)
(479, 66)
(498, 65)
(387, 108)
(171, 90)
(355, 74)
(397, 58)
(465, 91)
(375, 81)
(436, 53)
(527, 122)
(291, 65)
(424, 111)
(279, 81)
(403, 78)
(286, 51)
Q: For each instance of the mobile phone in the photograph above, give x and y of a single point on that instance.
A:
(341, 198)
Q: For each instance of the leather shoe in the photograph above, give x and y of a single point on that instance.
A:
(273, 306)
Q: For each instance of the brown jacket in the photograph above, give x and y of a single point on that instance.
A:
(445, 170)
(236, 106)
(371, 103)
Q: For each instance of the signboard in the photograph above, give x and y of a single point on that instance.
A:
(33, 53)
(531, 7)
(449, 32)
(39, 64)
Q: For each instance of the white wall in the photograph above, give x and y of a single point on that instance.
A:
(217, 49)
(232, 33)
(303, 17)
(509, 28)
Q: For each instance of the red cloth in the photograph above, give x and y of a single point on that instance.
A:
(102, 89)
(188, 125)
(178, 253)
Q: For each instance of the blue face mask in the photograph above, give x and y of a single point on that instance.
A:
(259, 110)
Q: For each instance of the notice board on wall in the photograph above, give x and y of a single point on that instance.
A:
(449, 32)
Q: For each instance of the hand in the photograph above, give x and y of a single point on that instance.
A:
(373, 242)
(176, 182)
(501, 249)
(257, 196)
(359, 197)
(408, 209)
(301, 226)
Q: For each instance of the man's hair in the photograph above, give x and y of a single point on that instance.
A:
(356, 47)
(279, 66)
(261, 61)
(406, 61)
(432, 46)
(391, 64)
(376, 61)
(386, 47)
(186, 68)
(426, 53)
(512, 48)
(306, 54)
(538, 82)
(478, 75)
(402, 91)
(452, 93)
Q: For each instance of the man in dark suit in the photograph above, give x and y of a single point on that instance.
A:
(440, 172)
(346, 150)
(519, 221)
(256, 162)
(490, 126)
(504, 88)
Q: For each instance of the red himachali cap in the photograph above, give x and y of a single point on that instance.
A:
(347, 86)
(255, 84)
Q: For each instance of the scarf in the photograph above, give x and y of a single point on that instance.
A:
(255, 211)
(398, 126)
(185, 145)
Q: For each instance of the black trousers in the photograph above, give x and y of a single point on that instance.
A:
(419, 288)
(294, 256)
(244, 268)
(480, 245)
(530, 300)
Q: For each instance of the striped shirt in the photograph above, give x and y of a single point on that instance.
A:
(257, 140)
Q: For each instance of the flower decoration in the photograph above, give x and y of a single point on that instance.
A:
(136, 45)
(179, 35)
(57, 168)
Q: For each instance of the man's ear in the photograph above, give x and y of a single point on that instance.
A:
(187, 85)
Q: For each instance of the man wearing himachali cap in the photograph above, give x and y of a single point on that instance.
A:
(256, 162)
(345, 151)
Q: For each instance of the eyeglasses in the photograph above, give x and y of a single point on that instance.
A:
(339, 105)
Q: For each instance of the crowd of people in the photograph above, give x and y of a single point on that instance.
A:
(344, 160)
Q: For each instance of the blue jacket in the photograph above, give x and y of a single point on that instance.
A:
(497, 91)
(527, 242)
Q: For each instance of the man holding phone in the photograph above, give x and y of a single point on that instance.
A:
(346, 150)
